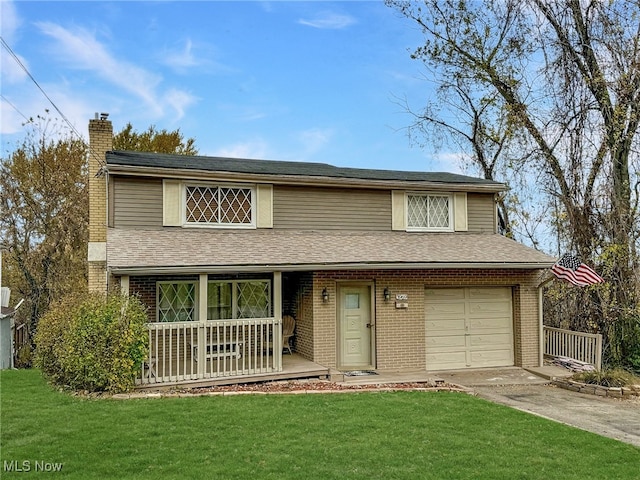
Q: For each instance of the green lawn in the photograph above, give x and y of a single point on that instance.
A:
(412, 435)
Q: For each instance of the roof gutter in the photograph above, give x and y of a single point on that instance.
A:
(201, 269)
(304, 180)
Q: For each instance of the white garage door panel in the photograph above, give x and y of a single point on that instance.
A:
(490, 293)
(489, 310)
(446, 327)
(489, 325)
(445, 293)
(468, 327)
(452, 309)
(446, 360)
(491, 341)
(456, 341)
(490, 358)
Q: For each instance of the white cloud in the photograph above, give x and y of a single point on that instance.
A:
(10, 22)
(328, 20)
(449, 162)
(256, 148)
(314, 139)
(81, 50)
(188, 56)
(181, 59)
(179, 101)
(75, 108)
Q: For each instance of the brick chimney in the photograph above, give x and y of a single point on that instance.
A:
(100, 141)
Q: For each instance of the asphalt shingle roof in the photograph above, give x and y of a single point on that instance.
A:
(273, 167)
(288, 249)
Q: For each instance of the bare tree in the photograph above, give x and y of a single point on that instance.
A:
(567, 76)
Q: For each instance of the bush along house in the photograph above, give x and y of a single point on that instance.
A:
(379, 269)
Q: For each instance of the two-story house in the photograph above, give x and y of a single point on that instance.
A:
(381, 269)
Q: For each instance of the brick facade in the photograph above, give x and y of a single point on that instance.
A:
(400, 333)
(100, 141)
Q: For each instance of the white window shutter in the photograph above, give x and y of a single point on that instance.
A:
(398, 210)
(264, 215)
(171, 203)
(460, 212)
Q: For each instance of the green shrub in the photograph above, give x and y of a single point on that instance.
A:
(615, 377)
(94, 343)
(24, 355)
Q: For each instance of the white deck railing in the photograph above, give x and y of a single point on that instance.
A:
(189, 351)
(585, 347)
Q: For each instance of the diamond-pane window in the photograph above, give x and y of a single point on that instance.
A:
(254, 299)
(238, 299)
(176, 301)
(219, 205)
(429, 212)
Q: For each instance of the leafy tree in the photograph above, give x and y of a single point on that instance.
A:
(566, 77)
(43, 226)
(152, 140)
(45, 209)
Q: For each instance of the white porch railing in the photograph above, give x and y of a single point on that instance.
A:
(585, 347)
(189, 351)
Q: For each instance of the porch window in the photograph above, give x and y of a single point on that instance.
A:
(429, 212)
(219, 206)
(238, 299)
(176, 301)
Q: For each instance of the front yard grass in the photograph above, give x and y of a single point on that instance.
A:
(400, 435)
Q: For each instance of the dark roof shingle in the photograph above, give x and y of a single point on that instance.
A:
(273, 167)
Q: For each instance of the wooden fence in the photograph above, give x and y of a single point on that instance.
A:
(585, 347)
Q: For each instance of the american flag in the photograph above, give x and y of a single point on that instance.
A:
(572, 270)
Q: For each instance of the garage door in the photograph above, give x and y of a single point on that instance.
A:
(468, 328)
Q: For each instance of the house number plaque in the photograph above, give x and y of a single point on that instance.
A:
(402, 300)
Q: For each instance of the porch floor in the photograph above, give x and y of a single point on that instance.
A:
(294, 366)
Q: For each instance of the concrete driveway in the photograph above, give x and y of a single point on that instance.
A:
(517, 388)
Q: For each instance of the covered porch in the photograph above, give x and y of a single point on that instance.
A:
(212, 330)
(294, 366)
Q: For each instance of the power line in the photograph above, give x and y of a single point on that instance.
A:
(14, 107)
(62, 115)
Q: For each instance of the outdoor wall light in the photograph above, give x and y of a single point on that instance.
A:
(325, 295)
(386, 294)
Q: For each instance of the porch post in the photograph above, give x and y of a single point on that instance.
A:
(202, 319)
(124, 284)
(541, 327)
(277, 315)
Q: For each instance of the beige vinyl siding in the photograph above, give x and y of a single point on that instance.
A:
(306, 208)
(481, 212)
(137, 203)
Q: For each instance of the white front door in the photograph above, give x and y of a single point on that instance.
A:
(355, 327)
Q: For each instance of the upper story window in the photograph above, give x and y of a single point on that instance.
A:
(219, 205)
(429, 212)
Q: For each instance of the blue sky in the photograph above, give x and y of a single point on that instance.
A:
(305, 81)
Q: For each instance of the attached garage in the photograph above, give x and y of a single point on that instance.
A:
(469, 327)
